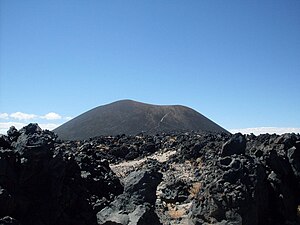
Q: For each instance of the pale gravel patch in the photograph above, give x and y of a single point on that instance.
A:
(176, 214)
(184, 171)
(123, 168)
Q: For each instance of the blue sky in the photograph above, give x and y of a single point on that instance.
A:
(236, 62)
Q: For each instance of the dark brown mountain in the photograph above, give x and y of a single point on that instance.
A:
(131, 117)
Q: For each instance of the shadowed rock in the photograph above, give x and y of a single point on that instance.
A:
(136, 205)
(177, 178)
(236, 145)
(42, 185)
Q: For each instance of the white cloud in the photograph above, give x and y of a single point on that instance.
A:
(4, 127)
(20, 119)
(49, 126)
(27, 116)
(4, 116)
(264, 130)
(22, 116)
(51, 116)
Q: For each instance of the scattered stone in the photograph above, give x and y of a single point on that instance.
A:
(175, 178)
(176, 191)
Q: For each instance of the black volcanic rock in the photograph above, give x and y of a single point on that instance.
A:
(131, 117)
(44, 184)
(236, 145)
(176, 178)
(136, 205)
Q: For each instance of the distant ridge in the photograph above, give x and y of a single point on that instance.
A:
(132, 117)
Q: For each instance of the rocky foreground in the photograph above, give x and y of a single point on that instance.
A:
(184, 178)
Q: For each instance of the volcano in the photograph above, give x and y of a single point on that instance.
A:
(132, 117)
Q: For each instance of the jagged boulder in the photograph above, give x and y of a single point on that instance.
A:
(235, 145)
(136, 205)
(13, 133)
(143, 184)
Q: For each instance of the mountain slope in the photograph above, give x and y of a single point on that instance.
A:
(131, 117)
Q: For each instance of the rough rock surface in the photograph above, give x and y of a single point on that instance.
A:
(259, 187)
(44, 185)
(136, 205)
(170, 178)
